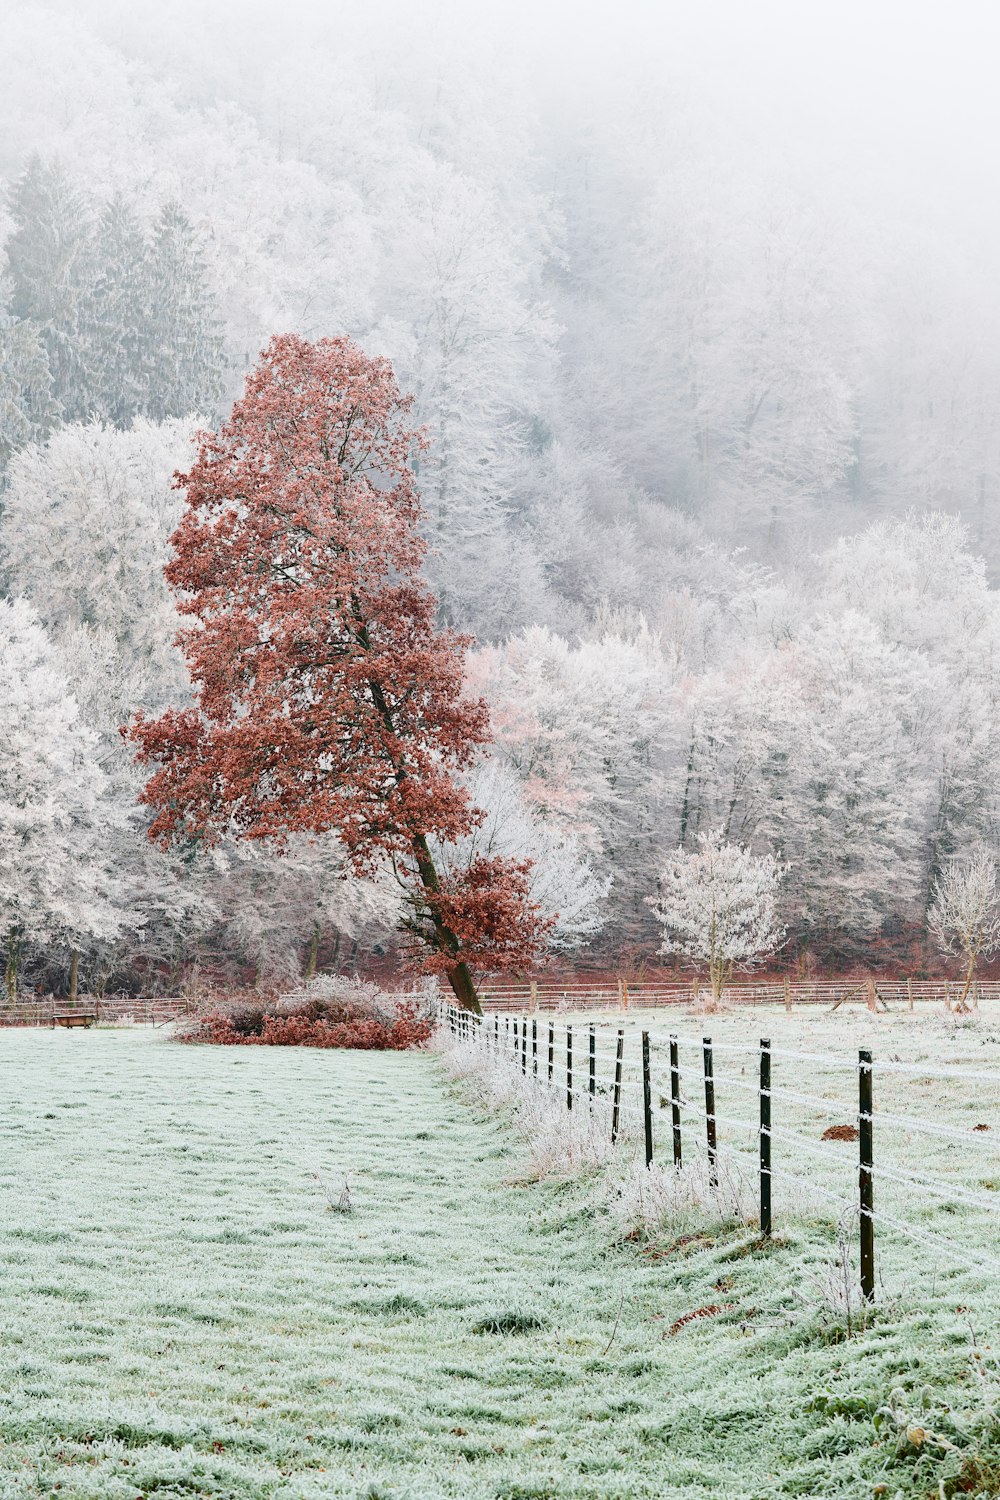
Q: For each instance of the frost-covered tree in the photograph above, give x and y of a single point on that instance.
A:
(129, 323)
(561, 879)
(184, 355)
(84, 536)
(28, 410)
(964, 914)
(115, 316)
(918, 578)
(47, 255)
(55, 880)
(588, 728)
(718, 906)
(846, 799)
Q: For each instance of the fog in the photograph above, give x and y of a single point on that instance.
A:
(699, 309)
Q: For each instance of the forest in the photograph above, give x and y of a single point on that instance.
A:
(711, 478)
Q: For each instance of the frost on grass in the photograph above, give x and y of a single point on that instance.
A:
(650, 1202)
(554, 1141)
(179, 1315)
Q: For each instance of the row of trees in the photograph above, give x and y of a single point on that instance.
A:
(328, 744)
(679, 413)
(846, 727)
(629, 335)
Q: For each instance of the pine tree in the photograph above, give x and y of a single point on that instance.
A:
(116, 326)
(185, 350)
(27, 408)
(47, 267)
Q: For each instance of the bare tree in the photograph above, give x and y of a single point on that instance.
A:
(965, 911)
(717, 904)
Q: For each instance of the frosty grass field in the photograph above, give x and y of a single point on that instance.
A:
(182, 1315)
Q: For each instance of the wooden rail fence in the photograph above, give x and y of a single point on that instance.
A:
(142, 1010)
(877, 994)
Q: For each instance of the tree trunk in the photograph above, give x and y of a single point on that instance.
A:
(970, 975)
(461, 981)
(717, 979)
(686, 804)
(445, 941)
(11, 971)
(74, 976)
(313, 952)
(459, 974)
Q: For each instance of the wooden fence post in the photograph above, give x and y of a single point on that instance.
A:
(909, 991)
(552, 1048)
(647, 1100)
(534, 994)
(616, 1098)
(713, 1149)
(593, 1063)
(534, 1047)
(765, 1137)
(865, 1179)
(675, 1098)
(788, 994)
(524, 1045)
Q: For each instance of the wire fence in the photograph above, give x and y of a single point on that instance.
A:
(687, 1100)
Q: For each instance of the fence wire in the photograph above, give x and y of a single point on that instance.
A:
(676, 1105)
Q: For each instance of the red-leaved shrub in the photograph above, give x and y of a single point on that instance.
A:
(259, 1026)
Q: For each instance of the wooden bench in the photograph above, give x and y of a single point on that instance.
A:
(73, 1018)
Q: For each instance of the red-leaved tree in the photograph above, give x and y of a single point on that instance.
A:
(327, 698)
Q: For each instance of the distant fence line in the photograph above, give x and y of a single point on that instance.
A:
(877, 994)
(144, 1010)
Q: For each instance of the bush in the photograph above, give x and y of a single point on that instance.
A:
(338, 997)
(330, 1012)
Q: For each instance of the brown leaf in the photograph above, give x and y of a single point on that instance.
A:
(711, 1311)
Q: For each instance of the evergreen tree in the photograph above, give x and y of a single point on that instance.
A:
(27, 408)
(47, 256)
(116, 327)
(185, 347)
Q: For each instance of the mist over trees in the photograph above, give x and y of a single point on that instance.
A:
(712, 476)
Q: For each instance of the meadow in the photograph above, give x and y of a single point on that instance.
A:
(185, 1311)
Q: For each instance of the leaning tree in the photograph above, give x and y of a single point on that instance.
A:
(326, 697)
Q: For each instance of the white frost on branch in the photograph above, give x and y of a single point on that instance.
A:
(561, 878)
(717, 905)
(965, 910)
